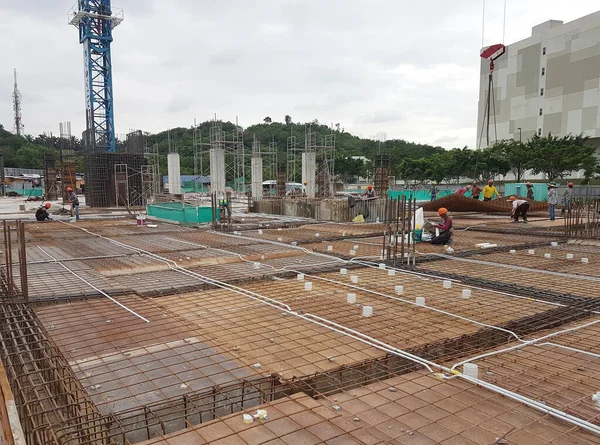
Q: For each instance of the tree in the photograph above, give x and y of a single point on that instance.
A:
(443, 167)
(348, 168)
(267, 120)
(489, 162)
(516, 154)
(288, 119)
(557, 156)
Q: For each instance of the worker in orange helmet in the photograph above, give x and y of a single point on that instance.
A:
(529, 191)
(42, 213)
(369, 192)
(74, 203)
(461, 191)
(567, 198)
(519, 209)
(445, 228)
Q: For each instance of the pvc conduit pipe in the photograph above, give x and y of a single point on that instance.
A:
(556, 413)
(94, 287)
(526, 343)
(450, 314)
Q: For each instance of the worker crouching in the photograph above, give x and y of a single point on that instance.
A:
(42, 213)
(519, 209)
(445, 228)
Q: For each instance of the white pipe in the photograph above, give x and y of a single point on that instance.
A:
(535, 404)
(526, 343)
(554, 412)
(508, 294)
(381, 294)
(94, 287)
(519, 268)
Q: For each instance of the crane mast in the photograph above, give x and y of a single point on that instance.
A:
(95, 20)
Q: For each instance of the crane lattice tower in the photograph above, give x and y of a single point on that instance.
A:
(95, 20)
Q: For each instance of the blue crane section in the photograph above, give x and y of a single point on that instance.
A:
(96, 20)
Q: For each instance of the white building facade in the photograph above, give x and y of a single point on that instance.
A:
(547, 83)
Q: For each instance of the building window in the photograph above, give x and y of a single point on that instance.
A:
(543, 71)
(539, 131)
(541, 92)
(544, 51)
(541, 111)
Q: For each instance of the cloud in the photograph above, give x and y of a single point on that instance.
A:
(380, 117)
(410, 69)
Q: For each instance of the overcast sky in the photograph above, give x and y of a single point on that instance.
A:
(409, 69)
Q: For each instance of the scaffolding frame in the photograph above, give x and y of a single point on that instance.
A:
(235, 158)
(152, 155)
(201, 151)
(293, 160)
(67, 162)
(325, 161)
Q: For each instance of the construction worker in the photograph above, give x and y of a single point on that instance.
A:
(42, 213)
(433, 191)
(552, 201)
(529, 191)
(567, 198)
(519, 208)
(74, 203)
(490, 190)
(461, 191)
(445, 228)
(475, 191)
(369, 192)
(368, 195)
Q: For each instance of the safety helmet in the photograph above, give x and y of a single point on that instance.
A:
(528, 184)
(491, 181)
(306, 183)
(468, 187)
(369, 187)
(47, 205)
(570, 185)
(512, 198)
(552, 184)
(442, 211)
(69, 189)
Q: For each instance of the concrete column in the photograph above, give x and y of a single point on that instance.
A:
(217, 171)
(309, 170)
(174, 173)
(257, 177)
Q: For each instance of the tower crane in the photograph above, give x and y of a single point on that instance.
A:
(95, 20)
